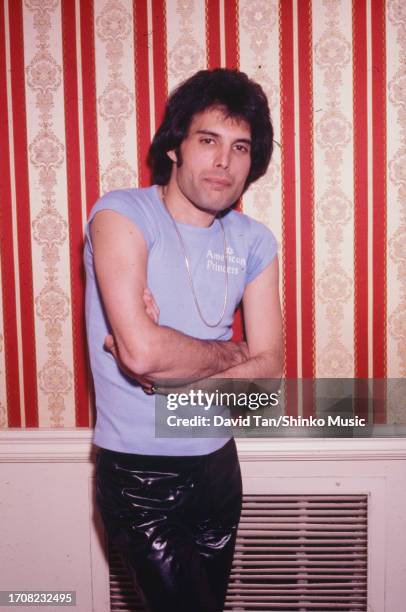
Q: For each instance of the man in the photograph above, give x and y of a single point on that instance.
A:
(166, 268)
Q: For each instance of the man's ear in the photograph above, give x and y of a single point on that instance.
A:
(172, 155)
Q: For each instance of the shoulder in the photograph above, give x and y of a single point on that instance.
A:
(138, 205)
(252, 229)
(125, 200)
(261, 246)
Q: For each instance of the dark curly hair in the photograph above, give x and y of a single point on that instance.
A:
(232, 90)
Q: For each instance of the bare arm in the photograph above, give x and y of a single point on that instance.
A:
(145, 348)
(263, 326)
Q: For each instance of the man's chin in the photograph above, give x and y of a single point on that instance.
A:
(214, 208)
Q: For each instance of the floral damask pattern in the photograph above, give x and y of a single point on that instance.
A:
(116, 102)
(113, 94)
(397, 176)
(46, 152)
(259, 19)
(397, 14)
(334, 209)
(41, 7)
(113, 24)
(332, 49)
(186, 55)
(333, 130)
(43, 76)
(50, 228)
(47, 155)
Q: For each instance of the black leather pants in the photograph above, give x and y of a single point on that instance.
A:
(174, 519)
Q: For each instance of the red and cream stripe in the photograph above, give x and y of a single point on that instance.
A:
(162, 30)
(222, 34)
(8, 254)
(379, 214)
(159, 51)
(150, 53)
(305, 87)
(231, 33)
(370, 265)
(360, 111)
(297, 201)
(307, 301)
(89, 108)
(143, 129)
(379, 163)
(288, 175)
(23, 218)
(76, 222)
(213, 48)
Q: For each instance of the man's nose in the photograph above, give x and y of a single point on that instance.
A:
(223, 157)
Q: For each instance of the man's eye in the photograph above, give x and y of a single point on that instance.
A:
(207, 140)
(242, 148)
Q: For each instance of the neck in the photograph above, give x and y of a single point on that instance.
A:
(182, 210)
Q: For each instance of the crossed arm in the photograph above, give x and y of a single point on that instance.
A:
(151, 351)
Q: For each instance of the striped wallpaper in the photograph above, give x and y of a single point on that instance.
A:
(82, 89)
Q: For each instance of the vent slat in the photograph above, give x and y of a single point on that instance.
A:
(304, 499)
(301, 530)
(312, 607)
(315, 598)
(299, 563)
(321, 511)
(305, 520)
(303, 553)
(285, 573)
(303, 541)
(320, 587)
(288, 553)
(355, 549)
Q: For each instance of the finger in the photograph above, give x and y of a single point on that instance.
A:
(152, 315)
(113, 351)
(151, 312)
(151, 308)
(154, 306)
(109, 342)
(148, 295)
(155, 310)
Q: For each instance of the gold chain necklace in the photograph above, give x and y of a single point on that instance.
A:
(189, 272)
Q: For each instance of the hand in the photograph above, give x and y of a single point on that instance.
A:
(151, 307)
(243, 346)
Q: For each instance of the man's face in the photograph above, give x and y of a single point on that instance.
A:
(215, 161)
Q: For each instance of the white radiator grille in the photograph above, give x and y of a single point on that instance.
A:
(300, 553)
(304, 553)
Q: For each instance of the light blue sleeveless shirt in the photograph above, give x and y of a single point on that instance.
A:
(125, 414)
